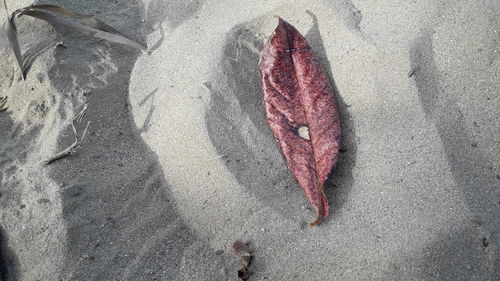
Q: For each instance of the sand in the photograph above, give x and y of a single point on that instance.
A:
(179, 161)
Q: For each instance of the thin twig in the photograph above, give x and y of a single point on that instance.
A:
(215, 158)
(78, 140)
(413, 71)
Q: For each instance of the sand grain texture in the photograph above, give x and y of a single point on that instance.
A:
(179, 161)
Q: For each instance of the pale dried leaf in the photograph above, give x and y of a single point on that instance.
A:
(95, 27)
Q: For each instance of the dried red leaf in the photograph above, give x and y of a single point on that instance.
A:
(301, 111)
(246, 257)
(239, 247)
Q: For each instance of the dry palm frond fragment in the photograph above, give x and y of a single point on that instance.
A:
(72, 20)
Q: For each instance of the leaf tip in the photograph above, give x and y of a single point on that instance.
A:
(321, 212)
(319, 218)
(281, 21)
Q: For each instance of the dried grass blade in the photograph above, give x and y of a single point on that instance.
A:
(14, 43)
(81, 114)
(84, 132)
(97, 28)
(101, 34)
(96, 23)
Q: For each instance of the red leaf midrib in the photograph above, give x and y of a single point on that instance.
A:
(301, 92)
(321, 210)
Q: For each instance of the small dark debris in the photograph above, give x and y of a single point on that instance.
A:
(87, 257)
(219, 252)
(22, 206)
(498, 178)
(42, 200)
(243, 274)
(111, 222)
(246, 257)
(477, 222)
(473, 144)
(485, 242)
(61, 44)
(413, 71)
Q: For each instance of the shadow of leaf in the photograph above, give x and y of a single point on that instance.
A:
(340, 180)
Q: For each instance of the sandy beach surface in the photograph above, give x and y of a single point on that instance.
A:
(179, 161)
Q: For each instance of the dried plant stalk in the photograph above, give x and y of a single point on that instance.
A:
(54, 15)
(78, 140)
